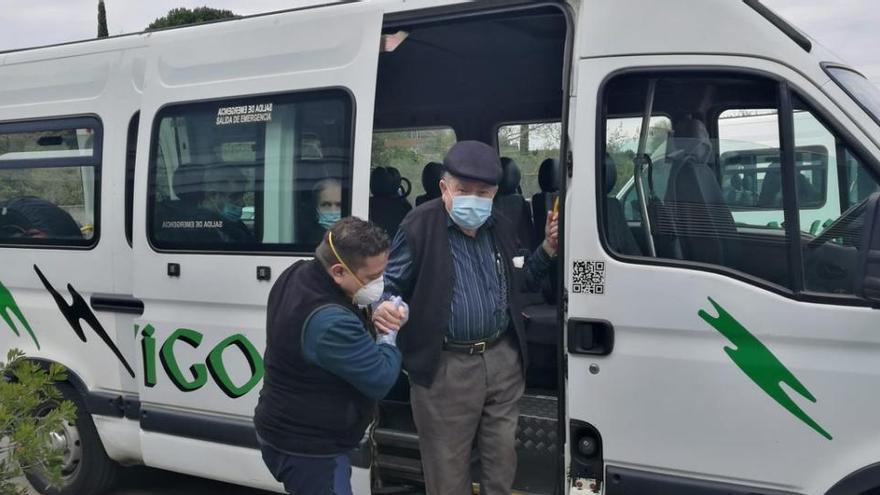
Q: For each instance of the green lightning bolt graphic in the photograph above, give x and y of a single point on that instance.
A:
(7, 306)
(759, 364)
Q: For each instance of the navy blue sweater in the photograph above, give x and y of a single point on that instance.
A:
(335, 340)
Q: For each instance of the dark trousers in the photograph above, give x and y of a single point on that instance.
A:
(473, 396)
(306, 475)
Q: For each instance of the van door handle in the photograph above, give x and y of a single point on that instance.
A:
(117, 303)
(590, 337)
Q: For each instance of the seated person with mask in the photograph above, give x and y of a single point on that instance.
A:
(328, 208)
(224, 195)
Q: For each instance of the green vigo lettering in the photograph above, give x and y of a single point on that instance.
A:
(196, 375)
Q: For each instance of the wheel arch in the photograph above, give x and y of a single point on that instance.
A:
(858, 482)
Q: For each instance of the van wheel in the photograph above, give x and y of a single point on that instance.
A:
(86, 469)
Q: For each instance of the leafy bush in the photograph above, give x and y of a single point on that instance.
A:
(24, 437)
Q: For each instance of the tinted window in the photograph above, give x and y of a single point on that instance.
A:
(49, 182)
(701, 181)
(528, 145)
(832, 234)
(622, 138)
(249, 174)
(408, 151)
(863, 91)
(730, 198)
(130, 158)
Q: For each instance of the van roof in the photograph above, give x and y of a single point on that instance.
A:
(723, 27)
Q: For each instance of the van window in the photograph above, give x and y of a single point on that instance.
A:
(528, 145)
(622, 145)
(859, 88)
(49, 182)
(408, 151)
(749, 163)
(724, 200)
(130, 158)
(692, 172)
(249, 174)
(832, 234)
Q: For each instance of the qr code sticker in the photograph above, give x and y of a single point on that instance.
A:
(588, 277)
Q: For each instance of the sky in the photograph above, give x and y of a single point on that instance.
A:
(849, 28)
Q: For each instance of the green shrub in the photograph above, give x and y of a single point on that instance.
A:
(25, 437)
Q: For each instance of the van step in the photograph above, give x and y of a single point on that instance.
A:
(396, 438)
(536, 430)
(536, 443)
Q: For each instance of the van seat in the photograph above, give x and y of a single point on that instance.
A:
(387, 207)
(431, 175)
(542, 202)
(511, 203)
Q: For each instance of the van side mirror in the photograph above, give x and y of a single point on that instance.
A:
(868, 279)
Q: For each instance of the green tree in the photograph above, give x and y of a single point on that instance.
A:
(182, 16)
(24, 437)
(102, 20)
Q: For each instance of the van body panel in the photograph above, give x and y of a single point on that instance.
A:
(217, 294)
(669, 359)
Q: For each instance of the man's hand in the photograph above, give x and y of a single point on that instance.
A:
(551, 233)
(388, 317)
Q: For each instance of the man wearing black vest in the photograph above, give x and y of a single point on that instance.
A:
(325, 369)
(460, 268)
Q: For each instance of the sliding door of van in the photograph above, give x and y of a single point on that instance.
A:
(714, 333)
(246, 124)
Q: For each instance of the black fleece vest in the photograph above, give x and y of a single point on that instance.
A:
(302, 408)
(430, 300)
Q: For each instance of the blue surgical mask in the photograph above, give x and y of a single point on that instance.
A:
(470, 212)
(328, 218)
(231, 211)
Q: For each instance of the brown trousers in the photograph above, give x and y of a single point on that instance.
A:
(472, 396)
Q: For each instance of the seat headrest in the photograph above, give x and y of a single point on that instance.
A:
(395, 174)
(548, 174)
(610, 173)
(431, 175)
(383, 183)
(690, 140)
(189, 183)
(511, 176)
(32, 212)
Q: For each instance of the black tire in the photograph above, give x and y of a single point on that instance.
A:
(89, 473)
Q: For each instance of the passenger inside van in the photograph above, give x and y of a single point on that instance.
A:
(224, 195)
(328, 208)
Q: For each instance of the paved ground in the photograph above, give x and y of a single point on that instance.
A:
(147, 481)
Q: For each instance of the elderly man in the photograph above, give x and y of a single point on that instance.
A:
(459, 267)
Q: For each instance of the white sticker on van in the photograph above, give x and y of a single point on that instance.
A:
(244, 114)
(588, 277)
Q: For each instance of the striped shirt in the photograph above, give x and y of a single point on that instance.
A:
(479, 295)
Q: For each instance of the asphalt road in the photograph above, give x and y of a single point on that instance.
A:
(147, 481)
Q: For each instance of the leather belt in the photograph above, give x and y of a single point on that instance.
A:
(477, 347)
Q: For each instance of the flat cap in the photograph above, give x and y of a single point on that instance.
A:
(475, 161)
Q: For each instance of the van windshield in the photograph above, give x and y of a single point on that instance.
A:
(859, 88)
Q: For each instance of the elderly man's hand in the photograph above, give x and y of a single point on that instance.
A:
(388, 317)
(551, 233)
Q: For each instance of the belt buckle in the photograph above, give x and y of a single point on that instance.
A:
(478, 348)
